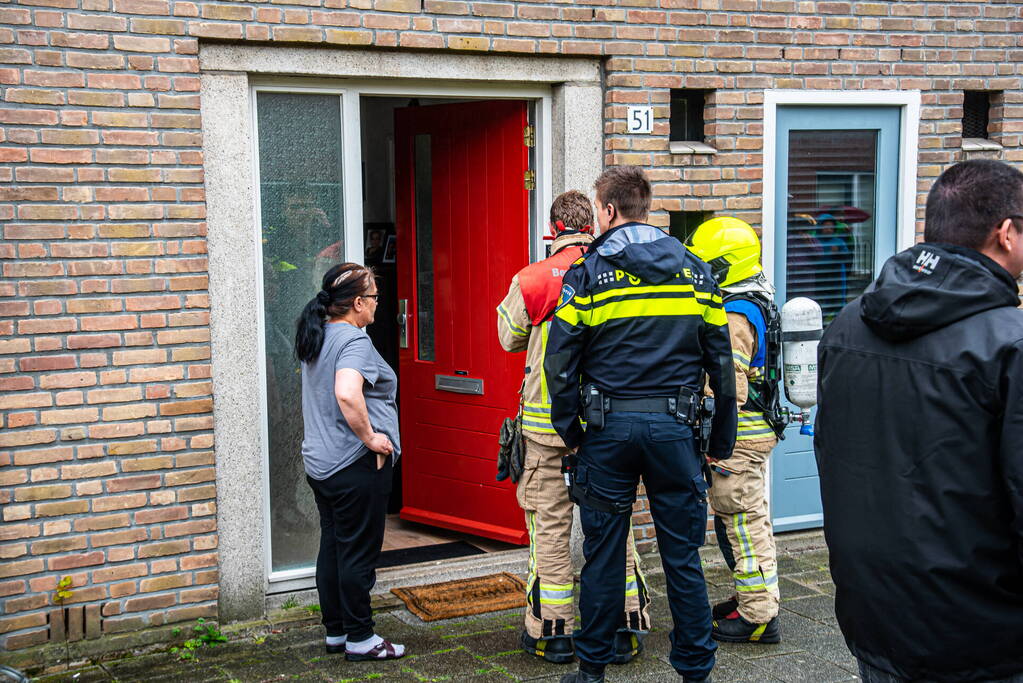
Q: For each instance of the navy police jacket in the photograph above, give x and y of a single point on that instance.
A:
(639, 316)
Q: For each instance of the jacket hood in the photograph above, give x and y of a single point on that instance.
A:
(757, 283)
(642, 250)
(930, 286)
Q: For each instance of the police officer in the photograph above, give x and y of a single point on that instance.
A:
(639, 323)
(738, 495)
(523, 324)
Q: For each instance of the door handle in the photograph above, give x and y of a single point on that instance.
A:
(403, 323)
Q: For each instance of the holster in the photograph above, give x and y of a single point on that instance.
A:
(594, 407)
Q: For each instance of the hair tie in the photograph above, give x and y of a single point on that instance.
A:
(323, 297)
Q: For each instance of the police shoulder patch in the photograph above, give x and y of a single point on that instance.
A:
(579, 260)
(567, 294)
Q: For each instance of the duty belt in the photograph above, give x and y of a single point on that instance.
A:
(659, 404)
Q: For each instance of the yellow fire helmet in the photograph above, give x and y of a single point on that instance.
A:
(730, 246)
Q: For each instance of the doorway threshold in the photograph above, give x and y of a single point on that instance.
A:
(514, 561)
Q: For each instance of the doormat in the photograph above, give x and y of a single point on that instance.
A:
(426, 553)
(464, 597)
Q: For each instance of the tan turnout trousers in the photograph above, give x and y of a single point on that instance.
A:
(542, 493)
(742, 522)
(543, 496)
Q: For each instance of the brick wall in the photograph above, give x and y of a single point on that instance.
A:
(106, 453)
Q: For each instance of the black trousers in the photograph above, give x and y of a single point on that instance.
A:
(353, 508)
(611, 462)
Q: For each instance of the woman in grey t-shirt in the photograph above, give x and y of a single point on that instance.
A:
(350, 445)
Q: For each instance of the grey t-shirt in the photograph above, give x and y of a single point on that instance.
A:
(330, 444)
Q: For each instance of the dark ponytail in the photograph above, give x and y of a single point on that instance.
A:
(341, 285)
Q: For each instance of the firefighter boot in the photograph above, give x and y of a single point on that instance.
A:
(556, 650)
(628, 646)
(723, 609)
(735, 629)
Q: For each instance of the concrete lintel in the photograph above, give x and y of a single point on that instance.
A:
(403, 64)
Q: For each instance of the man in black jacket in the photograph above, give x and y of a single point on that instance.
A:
(920, 444)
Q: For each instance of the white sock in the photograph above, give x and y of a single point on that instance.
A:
(364, 646)
(334, 641)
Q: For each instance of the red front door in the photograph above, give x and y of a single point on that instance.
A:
(462, 233)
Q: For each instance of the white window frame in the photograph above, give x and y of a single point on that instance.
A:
(350, 92)
(908, 102)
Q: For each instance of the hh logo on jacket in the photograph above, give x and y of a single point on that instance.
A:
(926, 262)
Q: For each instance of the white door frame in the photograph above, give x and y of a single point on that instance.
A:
(351, 149)
(909, 103)
(909, 131)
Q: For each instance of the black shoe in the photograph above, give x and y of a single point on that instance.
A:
(696, 680)
(738, 630)
(723, 609)
(582, 677)
(557, 650)
(336, 649)
(628, 646)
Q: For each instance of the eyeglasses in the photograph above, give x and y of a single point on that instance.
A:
(371, 296)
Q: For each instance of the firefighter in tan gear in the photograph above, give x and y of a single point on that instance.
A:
(523, 323)
(738, 495)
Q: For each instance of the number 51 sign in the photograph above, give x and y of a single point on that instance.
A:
(641, 120)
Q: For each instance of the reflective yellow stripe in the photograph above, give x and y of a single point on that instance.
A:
(752, 425)
(642, 308)
(515, 329)
(756, 582)
(536, 417)
(531, 528)
(741, 359)
(759, 631)
(749, 555)
(545, 329)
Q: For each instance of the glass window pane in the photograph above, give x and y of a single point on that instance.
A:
(831, 236)
(302, 228)
(424, 247)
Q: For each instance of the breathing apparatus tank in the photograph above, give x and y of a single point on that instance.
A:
(801, 330)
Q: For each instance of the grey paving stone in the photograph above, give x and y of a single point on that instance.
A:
(446, 665)
(800, 667)
(337, 668)
(92, 674)
(831, 647)
(730, 669)
(163, 669)
(526, 667)
(500, 642)
(790, 588)
(276, 668)
(818, 607)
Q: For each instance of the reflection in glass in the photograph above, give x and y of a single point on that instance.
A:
(424, 247)
(300, 195)
(831, 230)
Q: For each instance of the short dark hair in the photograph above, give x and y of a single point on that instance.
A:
(627, 189)
(573, 209)
(970, 199)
